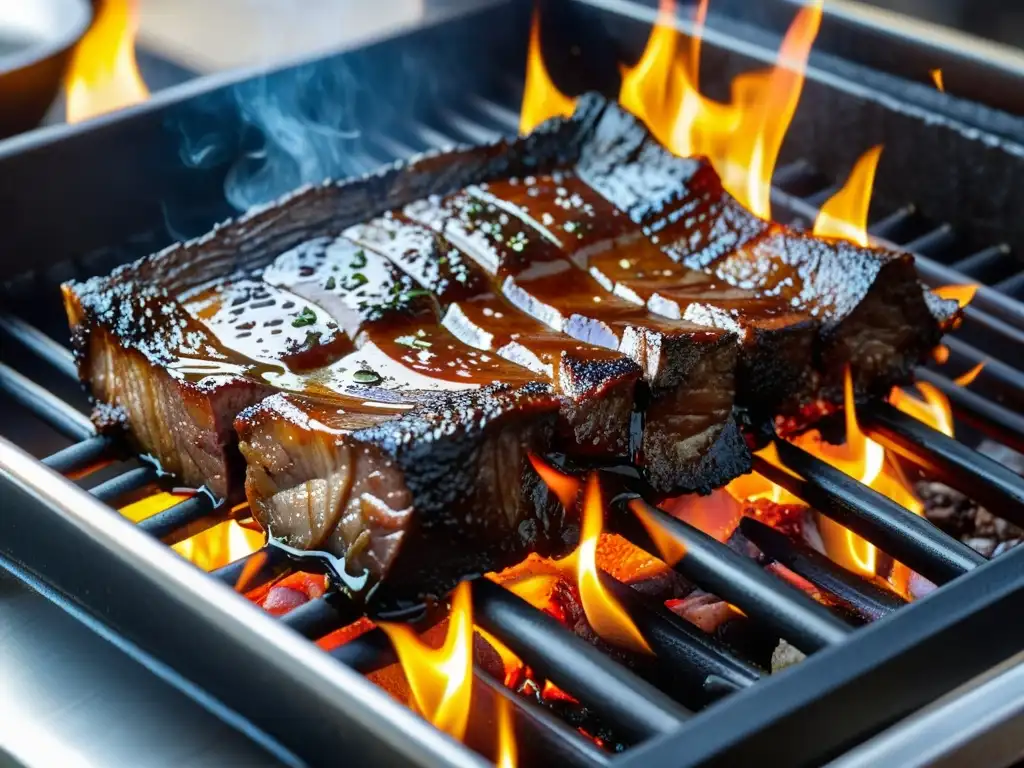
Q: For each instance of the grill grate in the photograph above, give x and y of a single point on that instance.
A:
(708, 670)
(648, 704)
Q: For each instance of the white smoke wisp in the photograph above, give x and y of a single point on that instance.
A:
(304, 119)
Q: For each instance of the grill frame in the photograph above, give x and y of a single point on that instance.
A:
(66, 538)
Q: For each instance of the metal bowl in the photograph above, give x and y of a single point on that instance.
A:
(36, 38)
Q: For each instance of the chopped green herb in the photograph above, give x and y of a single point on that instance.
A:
(358, 259)
(366, 377)
(306, 317)
(355, 280)
(413, 293)
(331, 283)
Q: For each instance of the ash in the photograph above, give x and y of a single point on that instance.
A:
(968, 521)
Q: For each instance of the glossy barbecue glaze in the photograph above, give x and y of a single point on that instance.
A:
(776, 340)
(597, 384)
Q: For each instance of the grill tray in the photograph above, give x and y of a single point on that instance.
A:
(126, 192)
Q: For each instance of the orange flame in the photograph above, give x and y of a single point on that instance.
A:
(604, 613)
(507, 753)
(941, 354)
(440, 679)
(541, 97)
(966, 379)
(845, 214)
(565, 487)
(742, 139)
(961, 294)
(937, 79)
(670, 549)
(104, 75)
(222, 544)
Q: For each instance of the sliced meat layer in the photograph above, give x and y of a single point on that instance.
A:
(873, 312)
(597, 384)
(689, 369)
(775, 341)
(410, 503)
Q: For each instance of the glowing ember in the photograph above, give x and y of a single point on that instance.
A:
(440, 679)
(541, 97)
(845, 214)
(222, 544)
(961, 294)
(941, 354)
(937, 79)
(104, 75)
(966, 379)
(507, 753)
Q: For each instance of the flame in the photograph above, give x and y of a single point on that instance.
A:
(507, 753)
(670, 549)
(932, 407)
(151, 505)
(941, 354)
(541, 97)
(966, 379)
(440, 679)
(513, 664)
(104, 75)
(937, 79)
(742, 139)
(222, 544)
(604, 613)
(845, 214)
(961, 294)
(564, 486)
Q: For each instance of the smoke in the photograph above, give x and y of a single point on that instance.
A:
(301, 128)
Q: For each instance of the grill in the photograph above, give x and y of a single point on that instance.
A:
(134, 181)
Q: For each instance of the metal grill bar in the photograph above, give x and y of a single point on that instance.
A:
(978, 476)
(273, 564)
(132, 480)
(541, 736)
(55, 354)
(184, 519)
(80, 455)
(910, 539)
(979, 412)
(322, 616)
(46, 405)
(689, 665)
(868, 599)
(719, 570)
(545, 645)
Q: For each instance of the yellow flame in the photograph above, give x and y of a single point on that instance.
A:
(440, 679)
(103, 75)
(845, 214)
(604, 613)
(565, 487)
(961, 294)
(938, 79)
(966, 379)
(222, 544)
(507, 752)
(670, 549)
(541, 97)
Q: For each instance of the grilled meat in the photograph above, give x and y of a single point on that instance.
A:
(873, 314)
(597, 385)
(393, 347)
(690, 439)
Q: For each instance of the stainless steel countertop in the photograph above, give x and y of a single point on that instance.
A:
(70, 698)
